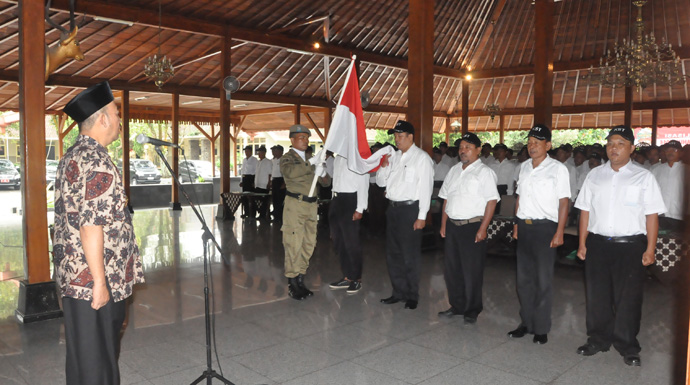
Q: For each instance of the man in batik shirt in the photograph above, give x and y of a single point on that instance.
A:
(96, 256)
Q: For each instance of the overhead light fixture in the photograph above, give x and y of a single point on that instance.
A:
(468, 77)
(638, 62)
(299, 51)
(158, 67)
(193, 102)
(456, 125)
(317, 45)
(116, 21)
(140, 98)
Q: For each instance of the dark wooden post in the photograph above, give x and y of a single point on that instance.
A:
(224, 125)
(501, 130)
(655, 125)
(448, 129)
(543, 62)
(298, 114)
(37, 295)
(124, 138)
(175, 163)
(327, 117)
(628, 106)
(420, 80)
(465, 106)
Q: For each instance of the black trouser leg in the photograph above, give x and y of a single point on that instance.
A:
(615, 280)
(92, 339)
(467, 277)
(345, 234)
(248, 186)
(403, 251)
(263, 208)
(535, 264)
(502, 190)
(278, 196)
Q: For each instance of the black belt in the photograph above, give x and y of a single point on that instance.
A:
(626, 239)
(535, 221)
(335, 193)
(301, 197)
(402, 203)
(462, 222)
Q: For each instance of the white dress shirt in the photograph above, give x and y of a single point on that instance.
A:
(618, 202)
(275, 172)
(441, 170)
(347, 181)
(263, 172)
(409, 176)
(582, 171)
(541, 188)
(670, 181)
(489, 160)
(449, 161)
(330, 164)
(505, 173)
(249, 166)
(467, 191)
(572, 179)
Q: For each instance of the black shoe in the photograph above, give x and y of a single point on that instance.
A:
(410, 304)
(540, 339)
(590, 349)
(341, 284)
(294, 291)
(518, 333)
(632, 360)
(470, 320)
(390, 300)
(300, 283)
(449, 313)
(354, 287)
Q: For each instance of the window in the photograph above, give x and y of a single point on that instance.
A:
(2, 150)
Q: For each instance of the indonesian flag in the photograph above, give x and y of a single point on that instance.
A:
(347, 136)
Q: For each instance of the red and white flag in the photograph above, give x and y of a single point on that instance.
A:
(347, 136)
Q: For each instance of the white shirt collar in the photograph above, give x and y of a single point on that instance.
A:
(300, 153)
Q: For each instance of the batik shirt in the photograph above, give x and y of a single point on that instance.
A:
(89, 192)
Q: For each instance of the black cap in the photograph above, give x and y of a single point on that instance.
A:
(87, 102)
(541, 132)
(500, 146)
(487, 144)
(377, 145)
(248, 148)
(674, 144)
(597, 145)
(277, 147)
(624, 131)
(579, 150)
(596, 156)
(262, 148)
(436, 150)
(443, 144)
(471, 138)
(402, 126)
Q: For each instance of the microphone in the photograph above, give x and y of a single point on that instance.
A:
(142, 139)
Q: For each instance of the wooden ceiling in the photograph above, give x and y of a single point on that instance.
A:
(277, 65)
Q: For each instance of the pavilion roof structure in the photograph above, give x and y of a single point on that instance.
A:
(278, 67)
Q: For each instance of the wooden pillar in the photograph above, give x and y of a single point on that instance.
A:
(37, 295)
(298, 113)
(213, 150)
(628, 106)
(501, 130)
(543, 62)
(175, 163)
(448, 129)
(420, 79)
(327, 117)
(224, 126)
(237, 124)
(124, 138)
(465, 106)
(655, 125)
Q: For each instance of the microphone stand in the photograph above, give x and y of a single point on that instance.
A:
(209, 374)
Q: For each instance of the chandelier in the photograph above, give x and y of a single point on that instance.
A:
(638, 62)
(492, 109)
(158, 67)
(456, 125)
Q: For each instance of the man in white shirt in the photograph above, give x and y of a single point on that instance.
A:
(350, 199)
(504, 169)
(440, 168)
(542, 211)
(277, 183)
(619, 205)
(670, 176)
(445, 156)
(470, 200)
(408, 176)
(562, 156)
(653, 157)
(262, 180)
(248, 171)
(486, 157)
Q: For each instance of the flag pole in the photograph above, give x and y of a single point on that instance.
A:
(322, 154)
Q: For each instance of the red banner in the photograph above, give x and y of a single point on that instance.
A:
(663, 135)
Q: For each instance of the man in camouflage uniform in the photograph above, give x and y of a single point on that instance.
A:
(300, 211)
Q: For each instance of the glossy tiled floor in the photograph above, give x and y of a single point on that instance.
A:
(264, 337)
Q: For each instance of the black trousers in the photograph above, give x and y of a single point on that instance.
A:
(502, 190)
(666, 223)
(403, 250)
(535, 264)
(278, 196)
(263, 208)
(248, 186)
(614, 278)
(464, 268)
(345, 234)
(92, 338)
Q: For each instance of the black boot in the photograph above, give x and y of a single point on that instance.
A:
(300, 282)
(294, 290)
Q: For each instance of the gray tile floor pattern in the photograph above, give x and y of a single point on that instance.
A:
(264, 337)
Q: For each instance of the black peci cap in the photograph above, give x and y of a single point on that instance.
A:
(262, 148)
(248, 147)
(277, 147)
(624, 131)
(541, 132)
(87, 102)
(402, 126)
(471, 138)
(674, 144)
(500, 146)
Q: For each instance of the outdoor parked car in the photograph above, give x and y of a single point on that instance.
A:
(51, 170)
(143, 171)
(196, 169)
(8, 174)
